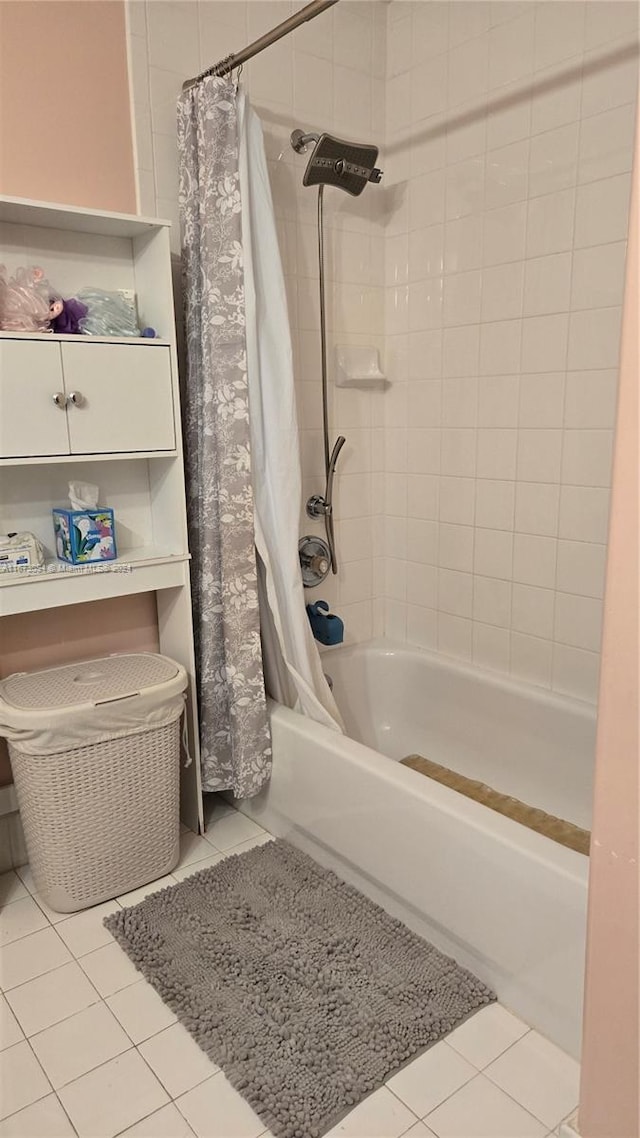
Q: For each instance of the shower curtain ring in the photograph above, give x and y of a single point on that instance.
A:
(238, 76)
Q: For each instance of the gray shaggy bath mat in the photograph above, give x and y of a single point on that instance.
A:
(304, 992)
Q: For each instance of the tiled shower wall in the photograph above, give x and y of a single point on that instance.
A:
(473, 494)
(328, 75)
(509, 144)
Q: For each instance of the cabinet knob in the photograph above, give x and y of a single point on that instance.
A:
(60, 399)
(77, 398)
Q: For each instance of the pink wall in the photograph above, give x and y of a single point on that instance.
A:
(65, 135)
(609, 1098)
(65, 126)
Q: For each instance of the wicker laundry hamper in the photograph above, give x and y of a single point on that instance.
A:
(95, 753)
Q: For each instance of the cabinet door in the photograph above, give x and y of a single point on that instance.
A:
(120, 397)
(30, 422)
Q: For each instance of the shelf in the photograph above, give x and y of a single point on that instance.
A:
(23, 211)
(59, 459)
(145, 569)
(65, 337)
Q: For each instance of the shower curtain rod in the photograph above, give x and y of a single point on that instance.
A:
(237, 58)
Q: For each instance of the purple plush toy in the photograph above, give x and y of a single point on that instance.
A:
(66, 315)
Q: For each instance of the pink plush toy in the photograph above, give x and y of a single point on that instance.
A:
(25, 304)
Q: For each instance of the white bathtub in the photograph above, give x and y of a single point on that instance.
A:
(505, 901)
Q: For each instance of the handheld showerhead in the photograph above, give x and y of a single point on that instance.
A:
(334, 162)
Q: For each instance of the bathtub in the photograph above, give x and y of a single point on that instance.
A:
(503, 900)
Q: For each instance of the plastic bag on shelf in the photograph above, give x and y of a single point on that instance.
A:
(25, 300)
(109, 314)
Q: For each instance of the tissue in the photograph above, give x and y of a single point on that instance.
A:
(83, 495)
(84, 531)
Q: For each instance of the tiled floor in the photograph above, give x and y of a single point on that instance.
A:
(89, 1049)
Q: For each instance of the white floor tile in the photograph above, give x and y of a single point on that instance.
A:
(19, 919)
(214, 1110)
(11, 888)
(540, 1076)
(174, 1056)
(188, 870)
(113, 1097)
(140, 1011)
(192, 849)
(165, 1123)
(78, 1044)
(10, 1030)
(31, 956)
(431, 1078)
(381, 1115)
(484, 1111)
(23, 1080)
(487, 1034)
(109, 969)
(44, 1119)
(26, 876)
(260, 840)
(420, 1130)
(85, 932)
(137, 895)
(51, 998)
(232, 829)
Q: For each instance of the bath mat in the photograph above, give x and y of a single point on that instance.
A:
(304, 992)
(566, 833)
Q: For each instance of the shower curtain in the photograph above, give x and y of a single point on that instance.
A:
(231, 507)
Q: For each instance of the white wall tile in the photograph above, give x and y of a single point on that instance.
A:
(542, 399)
(559, 31)
(455, 592)
(597, 279)
(531, 659)
(553, 159)
(544, 342)
(500, 345)
(575, 672)
(455, 547)
(532, 610)
(586, 458)
(506, 174)
(460, 402)
(495, 504)
(504, 234)
(496, 455)
(502, 291)
(492, 601)
(534, 560)
(457, 500)
(581, 568)
(550, 223)
(591, 398)
(539, 456)
(455, 636)
(578, 621)
(491, 647)
(606, 144)
(584, 513)
(498, 397)
(537, 507)
(594, 338)
(547, 285)
(602, 211)
(493, 553)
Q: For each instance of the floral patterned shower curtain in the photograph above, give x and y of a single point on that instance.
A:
(234, 727)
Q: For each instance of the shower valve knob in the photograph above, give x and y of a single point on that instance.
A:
(315, 560)
(317, 506)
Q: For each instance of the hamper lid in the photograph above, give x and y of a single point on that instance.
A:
(90, 682)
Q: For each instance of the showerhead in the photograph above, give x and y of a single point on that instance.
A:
(334, 162)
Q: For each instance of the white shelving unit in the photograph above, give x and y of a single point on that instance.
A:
(122, 429)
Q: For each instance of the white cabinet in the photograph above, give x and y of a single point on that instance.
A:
(60, 398)
(30, 421)
(119, 397)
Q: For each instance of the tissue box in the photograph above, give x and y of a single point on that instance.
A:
(84, 536)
